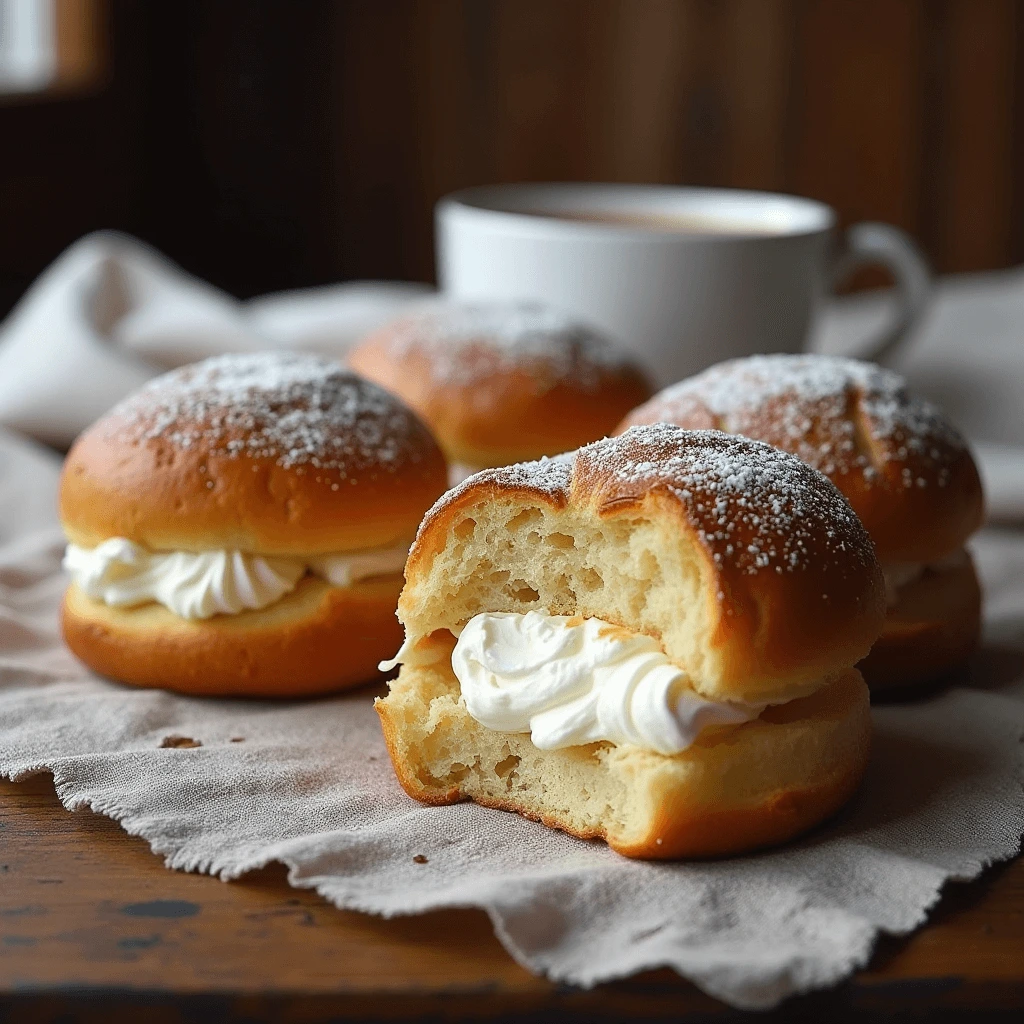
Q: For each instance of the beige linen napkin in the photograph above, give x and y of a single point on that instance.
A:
(111, 312)
(309, 784)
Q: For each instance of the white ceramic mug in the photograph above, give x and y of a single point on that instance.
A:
(682, 277)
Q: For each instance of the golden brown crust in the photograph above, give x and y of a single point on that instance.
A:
(173, 470)
(793, 589)
(781, 816)
(496, 409)
(795, 767)
(931, 632)
(811, 620)
(907, 473)
(314, 640)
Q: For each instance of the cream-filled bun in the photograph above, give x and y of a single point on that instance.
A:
(650, 640)
(502, 382)
(903, 467)
(239, 526)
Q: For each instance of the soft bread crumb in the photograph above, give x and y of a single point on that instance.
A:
(569, 564)
(733, 789)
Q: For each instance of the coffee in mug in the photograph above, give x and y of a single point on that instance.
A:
(674, 224)
(682, 277)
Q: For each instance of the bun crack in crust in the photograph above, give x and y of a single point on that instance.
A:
(503, 382)
(903, 467)
(750, 571)
(237, 526)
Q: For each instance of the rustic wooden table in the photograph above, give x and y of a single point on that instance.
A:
(94, 928)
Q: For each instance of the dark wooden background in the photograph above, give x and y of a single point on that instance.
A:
(276, 144)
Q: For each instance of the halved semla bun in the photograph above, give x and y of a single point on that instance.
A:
(750, 569)
(276, 455)
(902, 466)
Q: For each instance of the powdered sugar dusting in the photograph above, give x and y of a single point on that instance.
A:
(838, 415)
(295, 409)
(755, 508)
(466, 343)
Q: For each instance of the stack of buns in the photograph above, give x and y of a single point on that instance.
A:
(240, 527)
(905, 470)
(650, 640)
(499, 383)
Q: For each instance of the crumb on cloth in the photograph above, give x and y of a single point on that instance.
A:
(178, 742)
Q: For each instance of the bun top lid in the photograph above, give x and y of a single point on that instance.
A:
(296, 409)
(467, 342)
(752, 507)
(273, 452)
(503, 382)
(754, 572)
(905, 469)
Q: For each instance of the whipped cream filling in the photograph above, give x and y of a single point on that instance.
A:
(201, 584)
(572, 681)
(902, 574)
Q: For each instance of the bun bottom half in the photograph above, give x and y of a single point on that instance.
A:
(930, 633)
(317, 639)
(734, 790)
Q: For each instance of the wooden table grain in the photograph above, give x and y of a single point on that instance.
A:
(94, 928)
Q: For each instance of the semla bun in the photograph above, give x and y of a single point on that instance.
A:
(750, 570)
(502, 382)
(274, 455)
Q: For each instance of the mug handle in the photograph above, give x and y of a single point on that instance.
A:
(874, 244)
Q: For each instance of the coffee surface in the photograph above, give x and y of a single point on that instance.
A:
(671, 223)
